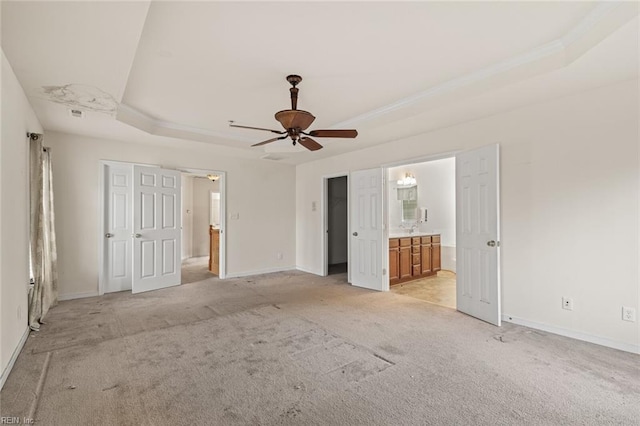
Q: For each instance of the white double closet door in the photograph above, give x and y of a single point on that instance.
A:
(142, 237)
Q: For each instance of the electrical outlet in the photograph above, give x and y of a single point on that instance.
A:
(628, 314)
(567, 303)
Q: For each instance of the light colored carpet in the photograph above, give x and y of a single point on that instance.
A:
(195, 269)
(439, 289)
(293, 348)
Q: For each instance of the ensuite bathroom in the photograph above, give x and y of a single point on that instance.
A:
(422, 231)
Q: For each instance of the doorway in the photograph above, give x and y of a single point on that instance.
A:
(477, 233)
(200, 220)
(336, 204)
(422, 230)
(140, 206)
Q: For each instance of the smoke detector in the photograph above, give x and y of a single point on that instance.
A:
(76, 113)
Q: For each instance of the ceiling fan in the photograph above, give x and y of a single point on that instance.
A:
(296, 121)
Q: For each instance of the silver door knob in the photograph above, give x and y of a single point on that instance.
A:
(109, 235)
(137, 235)
(491, 243)
(355, 234)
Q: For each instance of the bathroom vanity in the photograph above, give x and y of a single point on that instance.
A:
(413, 256)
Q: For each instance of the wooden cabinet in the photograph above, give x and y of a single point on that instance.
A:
(413, 258)
(425, 245)
(394, 260)
(214, 250)
(435, 254)
(405, 258)
(416, 270)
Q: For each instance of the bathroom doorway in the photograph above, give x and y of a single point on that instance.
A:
(422, 230)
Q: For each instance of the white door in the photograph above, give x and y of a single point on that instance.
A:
(118, 228)
(366, 229)
(156, 228)
(478, 233)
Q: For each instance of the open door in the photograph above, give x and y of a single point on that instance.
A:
(365, 217)
(478, 233)
(156, 228)
(117, 228)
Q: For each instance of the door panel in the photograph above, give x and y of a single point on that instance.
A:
(366, 228)
(117, 228)
(477, 233)
(405, 262)
(156, 230)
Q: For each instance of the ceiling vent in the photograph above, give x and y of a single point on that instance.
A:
(76, 113)
(273, 157)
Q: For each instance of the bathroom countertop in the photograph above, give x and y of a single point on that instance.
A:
(414, 234)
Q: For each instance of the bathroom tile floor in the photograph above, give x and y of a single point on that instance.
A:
(439, 289)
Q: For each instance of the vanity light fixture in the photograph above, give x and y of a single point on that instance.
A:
(407, 180)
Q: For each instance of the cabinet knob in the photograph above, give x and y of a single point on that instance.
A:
(491, 243)
(355, 234)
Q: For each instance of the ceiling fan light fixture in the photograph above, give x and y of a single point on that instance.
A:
(295, 119)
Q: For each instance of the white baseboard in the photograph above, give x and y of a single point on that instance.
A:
(259, 272)
(71, 296)
(602, 341)
(308, 271)
(14, 356)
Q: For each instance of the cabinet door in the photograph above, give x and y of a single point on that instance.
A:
(394, 259)
(426, 259)
(405, 262)
(435, 257)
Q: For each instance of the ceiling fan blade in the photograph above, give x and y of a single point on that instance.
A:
(269, 141)
(334, 133)
(310, 144)
(258, 128)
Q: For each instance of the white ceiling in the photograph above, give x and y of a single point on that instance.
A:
(178, 70)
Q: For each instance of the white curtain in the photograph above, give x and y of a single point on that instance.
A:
(43, 293)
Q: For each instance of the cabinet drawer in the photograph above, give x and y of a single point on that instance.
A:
(415, 259)
(393, 243)
(415, 240)
(435, 238)
(426, 240)
(416, 270)
(405, 242)
(415, 249)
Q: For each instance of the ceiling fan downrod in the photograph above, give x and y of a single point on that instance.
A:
(294, 79)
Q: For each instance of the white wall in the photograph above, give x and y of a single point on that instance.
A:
(187, 216)
(569, 196)
(260, 192)
(18, 118)
(201, 214)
